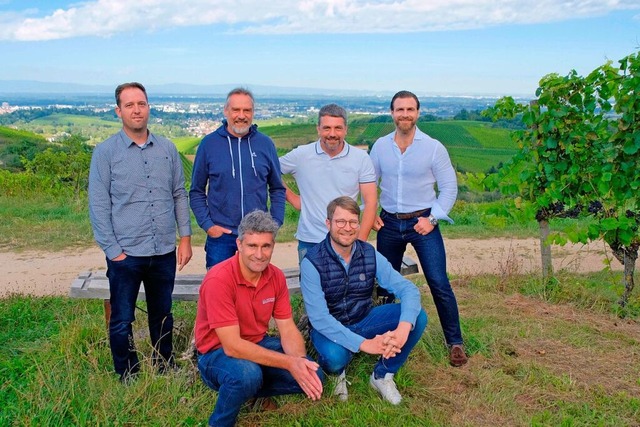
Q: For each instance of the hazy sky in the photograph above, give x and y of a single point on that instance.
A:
(498, 47)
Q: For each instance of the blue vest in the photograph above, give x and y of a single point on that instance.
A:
(349, 296)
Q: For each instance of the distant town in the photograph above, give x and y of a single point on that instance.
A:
(199, 115)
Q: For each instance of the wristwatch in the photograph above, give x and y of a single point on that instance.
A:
(433, 220)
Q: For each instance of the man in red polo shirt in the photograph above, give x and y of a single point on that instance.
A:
(238, 297)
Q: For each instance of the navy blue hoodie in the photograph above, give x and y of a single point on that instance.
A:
(238, 172)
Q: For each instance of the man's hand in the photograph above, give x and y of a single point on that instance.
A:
(120, 257)
(396, 339)
(423, 226)
(305, 372)
(378, 223)
(184, 251)
(216, 231)
(384, 345)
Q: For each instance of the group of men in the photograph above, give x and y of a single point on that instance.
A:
(137, 200)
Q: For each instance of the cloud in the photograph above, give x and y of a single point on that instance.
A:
(106, 18)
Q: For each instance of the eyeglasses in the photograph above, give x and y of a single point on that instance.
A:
(342, 223)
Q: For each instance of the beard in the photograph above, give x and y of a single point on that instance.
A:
(405, 125)
(241, 130)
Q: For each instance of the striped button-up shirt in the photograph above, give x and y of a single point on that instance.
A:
(137, 196)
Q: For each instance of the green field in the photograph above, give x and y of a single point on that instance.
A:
(187, 144)
(8, 135)
(473, 146)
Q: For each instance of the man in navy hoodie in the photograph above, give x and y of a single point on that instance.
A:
(234, 169)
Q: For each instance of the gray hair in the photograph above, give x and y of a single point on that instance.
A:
(257, 222)
(239, 91)
(332, 110)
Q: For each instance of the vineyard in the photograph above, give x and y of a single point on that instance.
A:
(473, 146)
(580, 156)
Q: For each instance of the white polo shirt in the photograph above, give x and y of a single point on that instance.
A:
(321, 179)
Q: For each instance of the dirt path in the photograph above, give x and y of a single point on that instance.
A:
(51, 273)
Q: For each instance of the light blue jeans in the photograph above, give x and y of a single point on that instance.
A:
(303, 247)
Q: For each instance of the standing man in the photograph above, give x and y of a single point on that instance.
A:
(238, 297)
(409, 163)
(337, 285)
(136, 197)
(324, 170)
(234, 168)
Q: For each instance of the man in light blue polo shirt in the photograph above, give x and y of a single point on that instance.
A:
(324, 170)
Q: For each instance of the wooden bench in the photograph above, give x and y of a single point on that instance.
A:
(95, 285)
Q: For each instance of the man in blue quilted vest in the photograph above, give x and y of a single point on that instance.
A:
(337, 282)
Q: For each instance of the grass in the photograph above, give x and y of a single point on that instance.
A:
(50, 222)
(537, 358)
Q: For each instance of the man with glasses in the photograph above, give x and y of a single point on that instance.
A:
(337, 282)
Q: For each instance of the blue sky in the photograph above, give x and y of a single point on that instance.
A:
(436, 47)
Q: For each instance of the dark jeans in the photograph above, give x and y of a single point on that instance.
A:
(158, 275)
(334, 358)
(392, 242)
(220, 249)
(238, 380)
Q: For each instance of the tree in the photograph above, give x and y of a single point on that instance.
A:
(570, 152)
(68, 162)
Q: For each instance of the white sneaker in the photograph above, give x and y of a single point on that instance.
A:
(340, 389)
(387, 388)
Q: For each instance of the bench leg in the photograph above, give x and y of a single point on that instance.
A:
(107, 312)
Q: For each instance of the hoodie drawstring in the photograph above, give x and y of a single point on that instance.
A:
(253, 165)
(233, 166)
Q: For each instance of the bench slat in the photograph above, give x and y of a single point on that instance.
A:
(94, 284)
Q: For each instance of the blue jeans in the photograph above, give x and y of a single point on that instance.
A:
(158, 275)
(220, 248)
(238, 380)
(303, 247)
(392, 242)
(334, 358)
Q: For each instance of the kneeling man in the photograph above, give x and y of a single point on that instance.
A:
(237, 299)
(337, 282)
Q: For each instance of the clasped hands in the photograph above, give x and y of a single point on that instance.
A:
(387, 345)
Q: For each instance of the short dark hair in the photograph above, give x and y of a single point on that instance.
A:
(130, 85)
(346, 203)
(333, 110)
(404, 94)
(257, 222)
(239, 91)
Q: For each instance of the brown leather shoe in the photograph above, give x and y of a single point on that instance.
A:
(259, 404)
(457, 355)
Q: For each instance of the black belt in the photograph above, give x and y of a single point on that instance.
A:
(409, 215)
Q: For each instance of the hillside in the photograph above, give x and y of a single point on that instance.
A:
(10, 136)
(14, 144)
(473, 146)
